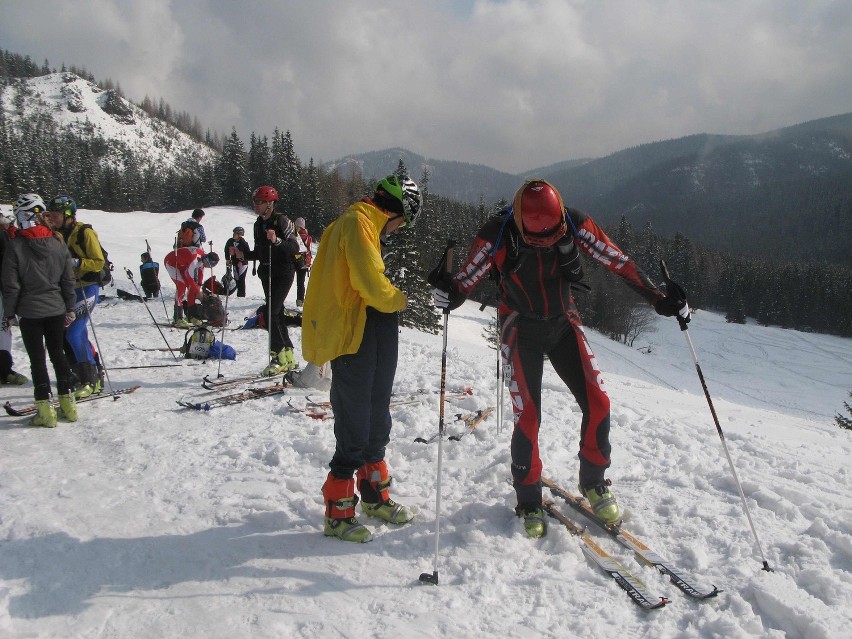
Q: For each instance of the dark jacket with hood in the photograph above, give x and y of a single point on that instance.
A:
(38, 276)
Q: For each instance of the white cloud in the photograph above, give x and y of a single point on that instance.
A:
(513, 84)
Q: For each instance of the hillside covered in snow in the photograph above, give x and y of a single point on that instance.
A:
(145, 519)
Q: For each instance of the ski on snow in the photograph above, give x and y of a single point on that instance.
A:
(223, 384)
(163, 349)
(470, 421)
(236, 398)
(641, 550)
(322, 410)
(634, 586)
(32, 410)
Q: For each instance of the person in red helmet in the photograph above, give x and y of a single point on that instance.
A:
(274, 246)
(534, 246)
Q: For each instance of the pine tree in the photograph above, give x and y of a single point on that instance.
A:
(843, 421)
(233, 172)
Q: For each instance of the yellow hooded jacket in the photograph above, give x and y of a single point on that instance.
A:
(87, 247)
(347, 276)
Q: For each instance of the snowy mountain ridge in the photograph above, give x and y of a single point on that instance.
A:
(83, 107)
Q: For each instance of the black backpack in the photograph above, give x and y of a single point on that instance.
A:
(102, 277)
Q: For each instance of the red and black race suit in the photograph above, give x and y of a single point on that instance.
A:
(538, 317)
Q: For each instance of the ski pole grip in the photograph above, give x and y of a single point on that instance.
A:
(672, 286)
(128, 273)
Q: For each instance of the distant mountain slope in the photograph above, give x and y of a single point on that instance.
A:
(92, 112)
(455, 180)
(785, 193)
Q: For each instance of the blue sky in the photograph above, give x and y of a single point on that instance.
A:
(514, 84)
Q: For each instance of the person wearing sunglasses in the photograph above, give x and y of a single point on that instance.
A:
(535, 246)
(351, 319)
(274, 246)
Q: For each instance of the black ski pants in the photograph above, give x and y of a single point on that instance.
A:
(281, 283)
(49, 332)
(361, 388)
(526, 341)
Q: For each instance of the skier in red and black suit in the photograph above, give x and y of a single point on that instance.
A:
(535, 247)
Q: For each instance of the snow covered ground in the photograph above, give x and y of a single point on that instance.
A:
(147, 520)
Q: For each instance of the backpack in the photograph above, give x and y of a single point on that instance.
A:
(102, 277)
(188, 234)
(197, 343)
(214, 312)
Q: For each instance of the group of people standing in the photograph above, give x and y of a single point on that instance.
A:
(350, 322)
(50, 284)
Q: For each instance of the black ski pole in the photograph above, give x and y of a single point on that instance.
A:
(671, 288)
(226, 282)
(130, 277)
(447, 263)
(162, 299)
(88, 311)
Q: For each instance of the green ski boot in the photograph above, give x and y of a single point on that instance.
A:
(389, 510)
(603, 503)
(46, 416)
(347, 529)
(14, 378)
(535, 524)
(68, 407)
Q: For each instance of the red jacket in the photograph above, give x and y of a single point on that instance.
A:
(184, 266)
(530, 280)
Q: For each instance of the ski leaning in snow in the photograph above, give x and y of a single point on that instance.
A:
(634, 586)
(237, 398)
(32, 410)
(643, 553)
(470, 422)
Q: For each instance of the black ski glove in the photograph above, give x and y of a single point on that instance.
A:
(570, 263)
(444, 292)
(673, 303)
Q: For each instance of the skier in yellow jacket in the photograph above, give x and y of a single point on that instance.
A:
(350, 318)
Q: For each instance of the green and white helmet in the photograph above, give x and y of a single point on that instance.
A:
(405, 190)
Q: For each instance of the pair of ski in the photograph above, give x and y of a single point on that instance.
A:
(634, 586)
(238, 398)
(32, 410)
(470, 421)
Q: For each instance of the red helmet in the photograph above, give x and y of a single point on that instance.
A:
(539, 213)
(265, 194)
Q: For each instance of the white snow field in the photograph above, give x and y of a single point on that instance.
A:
(145, 519)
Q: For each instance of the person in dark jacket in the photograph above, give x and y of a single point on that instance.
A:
(28, 202)
(236, 249)
(274, 247)
(38, 287)
(149, 275)
(534, 245)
